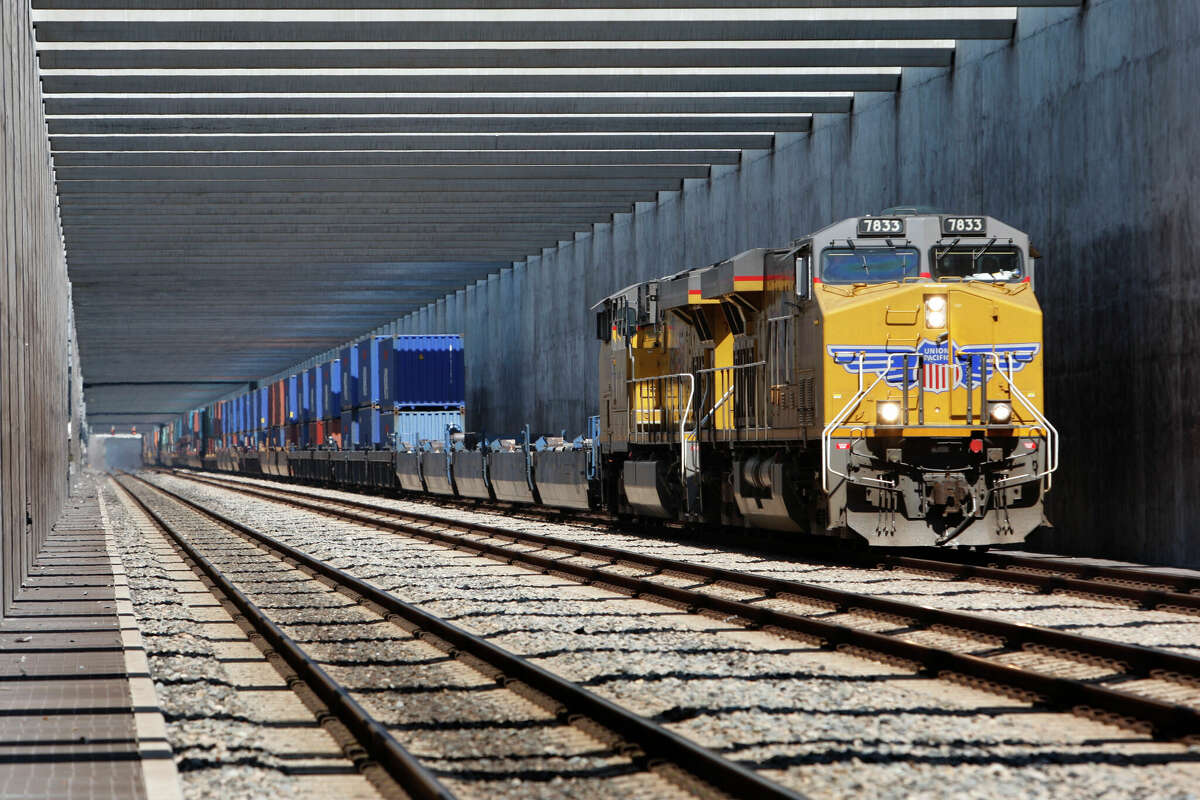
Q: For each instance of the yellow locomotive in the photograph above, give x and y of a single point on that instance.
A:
(882, 376)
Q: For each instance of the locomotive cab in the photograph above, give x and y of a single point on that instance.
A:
(934, 430)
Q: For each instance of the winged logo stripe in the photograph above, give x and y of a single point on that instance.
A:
(969, 360)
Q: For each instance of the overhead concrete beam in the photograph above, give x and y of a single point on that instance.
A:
(305, 241)
(800, 79)
(232, 224)
(220, 191)
(432, 253)
(881, 53)
(470, 142)
(540, 123)
(543, 25)
(491, 5)
(481, 172)
(706, 103)
(350, 158)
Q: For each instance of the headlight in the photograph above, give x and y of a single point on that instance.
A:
(1000, 413)
(935, 311)
(889, 412)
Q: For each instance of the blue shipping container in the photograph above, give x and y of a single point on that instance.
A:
(351, 431)
(349, 369)
(410, 428)
(319, 382)
(307, 394)
(293, 399)
(429, 372)
(264, 408)
(368, 373)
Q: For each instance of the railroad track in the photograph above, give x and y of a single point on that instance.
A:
(1060, 670)
(648, 746)
(1139, 587)
(364, 741)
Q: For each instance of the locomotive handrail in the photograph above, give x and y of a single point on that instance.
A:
(1051, 431)
(688, 466)
(758, 407)
(843, 415)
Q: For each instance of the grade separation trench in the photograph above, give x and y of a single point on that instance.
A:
(1141, 587)
(661, 753)
(1071, 670)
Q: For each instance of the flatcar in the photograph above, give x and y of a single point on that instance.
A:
(879, 379)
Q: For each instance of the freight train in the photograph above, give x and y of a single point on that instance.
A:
(880, 379)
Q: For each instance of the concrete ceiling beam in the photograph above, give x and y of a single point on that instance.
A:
(399, 158)
(467, 142)
(491, 5)
(881, 53)
(539, 124)
(549, 25)
(494, 191)
(814, 79)
(378, 173)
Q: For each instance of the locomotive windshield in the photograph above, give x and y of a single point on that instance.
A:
(979, 263)
(869, 264)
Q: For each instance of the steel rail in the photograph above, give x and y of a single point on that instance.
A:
(1182, 584)
(960, 570)
(1182, 593)
(658, 743)
(1167, 720)
(372, 735)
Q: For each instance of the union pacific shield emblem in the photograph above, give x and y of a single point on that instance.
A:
(929, 364)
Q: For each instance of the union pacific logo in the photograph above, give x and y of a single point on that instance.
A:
(934, 369)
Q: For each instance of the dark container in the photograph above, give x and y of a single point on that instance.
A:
(294, 413)
(368, 373)
(428, 372)
(350, 373)
(307, 395)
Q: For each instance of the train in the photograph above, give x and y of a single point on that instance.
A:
(879, 380)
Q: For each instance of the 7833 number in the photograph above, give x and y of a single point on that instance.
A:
(881, 226)
(964, 226)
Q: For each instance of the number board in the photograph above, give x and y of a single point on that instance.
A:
(881, 226)
(964, 226)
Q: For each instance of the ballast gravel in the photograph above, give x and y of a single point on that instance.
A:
(1080, 615)
(828, 725)
(483, 741)
(219, 742)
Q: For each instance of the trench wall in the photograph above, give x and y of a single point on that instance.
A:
(39, 393)
(1082, 130)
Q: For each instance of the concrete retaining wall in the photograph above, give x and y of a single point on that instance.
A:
(37, 433)
(1083, 131)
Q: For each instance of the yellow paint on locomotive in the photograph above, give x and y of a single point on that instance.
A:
(891, 314)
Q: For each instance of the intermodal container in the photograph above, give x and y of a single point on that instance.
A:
(368, 373)
(410, 428)
(331, 389)
(350, 373)
(429, 372)
(293, 399)
(308, 394)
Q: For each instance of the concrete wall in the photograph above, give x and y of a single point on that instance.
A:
(1083, 131)
(35, 323)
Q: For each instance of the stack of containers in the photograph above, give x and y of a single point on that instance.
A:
(262, 408)
(292, 421)
(425, 393)
(331, 410)
(371, 368)
(308, 389)
(351, 437)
